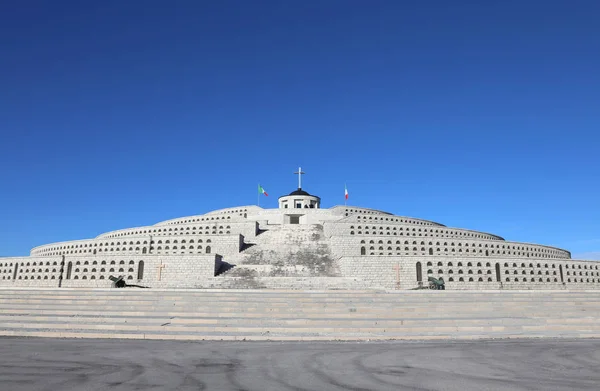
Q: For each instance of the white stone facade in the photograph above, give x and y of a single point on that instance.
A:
(300, 245)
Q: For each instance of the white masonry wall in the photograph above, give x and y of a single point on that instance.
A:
(30, 271)
(473, 273)
(159, 271)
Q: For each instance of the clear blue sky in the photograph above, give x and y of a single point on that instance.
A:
(116, 114)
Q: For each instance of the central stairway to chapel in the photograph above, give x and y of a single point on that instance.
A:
(291, 256)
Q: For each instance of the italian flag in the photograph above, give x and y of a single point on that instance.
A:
(345, 192)
(261, 190)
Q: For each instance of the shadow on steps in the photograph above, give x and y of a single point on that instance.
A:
(224, 268)
(246, 246)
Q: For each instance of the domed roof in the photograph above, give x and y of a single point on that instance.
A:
(299, 192)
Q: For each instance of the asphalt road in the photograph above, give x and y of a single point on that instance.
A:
(69, 364)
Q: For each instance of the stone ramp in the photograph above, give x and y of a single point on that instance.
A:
(297, 315)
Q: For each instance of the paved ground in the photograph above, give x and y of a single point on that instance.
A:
(70, 364)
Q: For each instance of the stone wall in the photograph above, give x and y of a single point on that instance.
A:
(309, 216)
(395, 229)
(473, 273)
(176, 271)
(185, 243)
(353, 245)
(30, 271)
(157, 271)
(231, 214)
(244, 227)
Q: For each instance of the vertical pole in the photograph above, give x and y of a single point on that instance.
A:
(258, 196)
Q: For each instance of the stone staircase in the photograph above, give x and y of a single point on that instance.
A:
(297, 315)
(285, 257)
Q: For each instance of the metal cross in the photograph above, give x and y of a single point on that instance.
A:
(160, 267)
(300, 173)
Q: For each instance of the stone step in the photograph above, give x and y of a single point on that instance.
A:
(294, 315)
(295, 293)
(23, 290)
(292, 329)
(300, 314)
(373, 295)
(283, 302)
(246, 296)
(306, 336)
(292, 321)
(291, 305)
(15, 290)
(275, 298)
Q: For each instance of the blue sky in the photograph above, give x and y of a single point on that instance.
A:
(117, 114)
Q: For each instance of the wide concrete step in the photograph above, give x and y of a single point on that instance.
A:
(23, 290)
(290, 306)
(389, 298)
(277, 300)
(434, 317)
(312, 309)
(380, 299)
(283, 292)
(432, 294)
(345, 321)
(293, 315)
(420, 335)
(293, 329)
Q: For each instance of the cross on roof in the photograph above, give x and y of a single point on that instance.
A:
(299, 173)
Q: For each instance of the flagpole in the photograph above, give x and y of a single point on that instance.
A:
(258, 196)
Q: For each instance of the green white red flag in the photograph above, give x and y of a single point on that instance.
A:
(261, 190)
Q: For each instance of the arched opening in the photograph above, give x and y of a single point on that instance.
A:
(363, 251)
(144, 250)
(430, 251)
(487, 254)
(208, 249)
(419, 273)
(497, 272)
(94, 251)
(140, 274)
(69, 268)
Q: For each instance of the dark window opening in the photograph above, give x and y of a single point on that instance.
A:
(140, 274)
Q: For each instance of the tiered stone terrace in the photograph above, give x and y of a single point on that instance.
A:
(300, 248)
